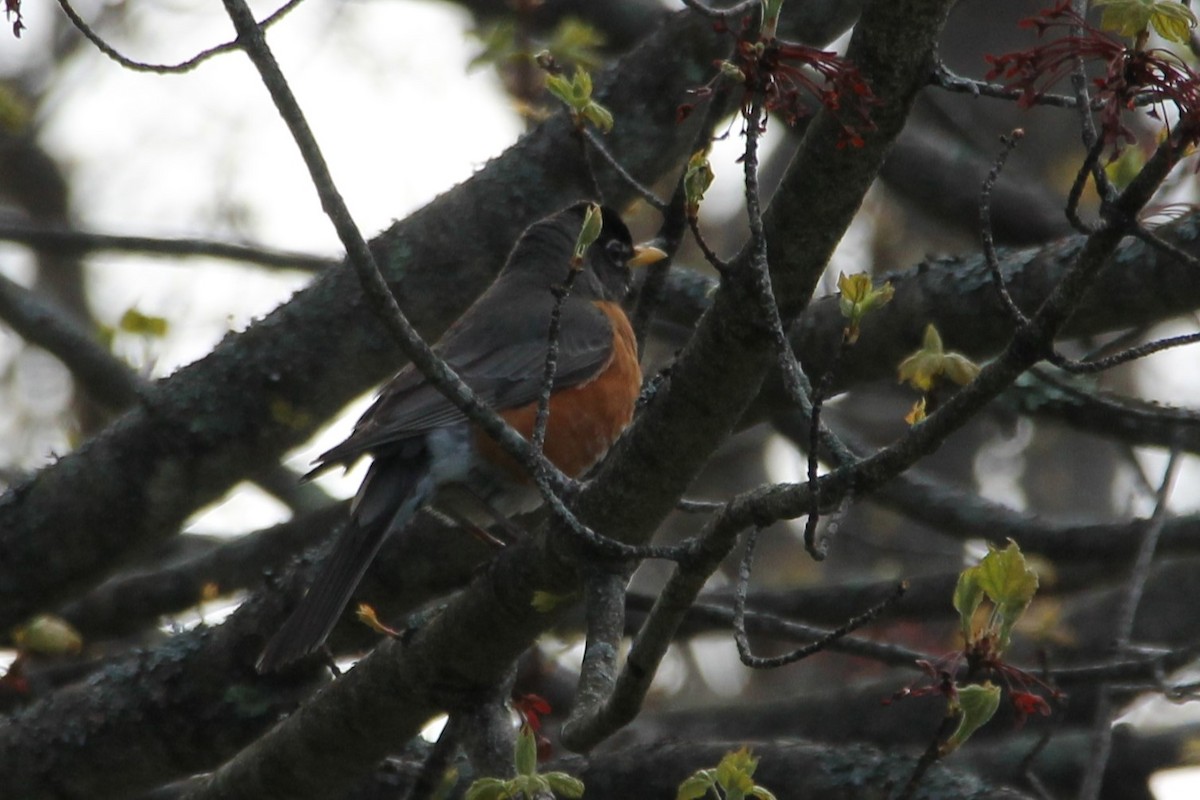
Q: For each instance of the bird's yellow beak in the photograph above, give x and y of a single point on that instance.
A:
(645, 254)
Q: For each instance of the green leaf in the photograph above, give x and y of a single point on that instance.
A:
(526, 752)
(1010, 584)
(858, 297)
(577, 42)
(924, 368)
(1133, 18)
(564, 785)
(968, 594)
(134, 321)
(488, 789)
(499, 45)
(593, 222)
(762, 793)
(735, 773)
(959, 368)
(1173, 22)
(561, 88)
(599, 116)
(696, 786)
(976, 705)
(696, 180)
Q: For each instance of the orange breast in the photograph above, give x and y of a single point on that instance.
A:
(584, 419)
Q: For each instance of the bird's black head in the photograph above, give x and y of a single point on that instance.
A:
(545, 250)
(606, 263)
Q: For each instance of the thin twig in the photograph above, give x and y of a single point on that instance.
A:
(542, 419)
(1123, 357)
(1161, 244)
(788, 367)
(1079, 83)
(1077, 187)
(54, 239)
(164, 69)
(825, 642)
(647, 194)
(816, 433)
(928, 758)
(771, 625)
(945, 78)
(721, 265)
(985, 225)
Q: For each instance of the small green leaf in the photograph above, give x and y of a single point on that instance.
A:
(762, 793)
(976, 705)
(1010, 584)
(526, 752)
(488, 789)
(577, 95)
(1173, 22)
(858, 297)
(564, 785)
(593, 223)
(959, 368)
(1134, 18)
(696, 786)
(925, 368)
(696, 180)
(599, 116)
(134, 321)
(735, 773)
(560, 87)
(499, 45)
(968, 594)
(577, 42)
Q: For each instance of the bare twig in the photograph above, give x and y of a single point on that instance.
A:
(825, 642)
(66, 240)
(597, 145)
(164, 69)
(1124, 356)
(542, 419)
(985, 225)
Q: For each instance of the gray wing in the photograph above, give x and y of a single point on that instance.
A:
(501, 357)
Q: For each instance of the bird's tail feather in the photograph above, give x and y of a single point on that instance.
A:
(393, 491)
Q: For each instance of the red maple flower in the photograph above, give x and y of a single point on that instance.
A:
(1131, 76)
(787, 74)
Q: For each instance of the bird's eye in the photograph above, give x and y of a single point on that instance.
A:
(618, 252)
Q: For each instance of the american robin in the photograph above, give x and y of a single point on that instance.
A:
(420, 442)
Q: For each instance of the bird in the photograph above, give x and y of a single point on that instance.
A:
(422, 445)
